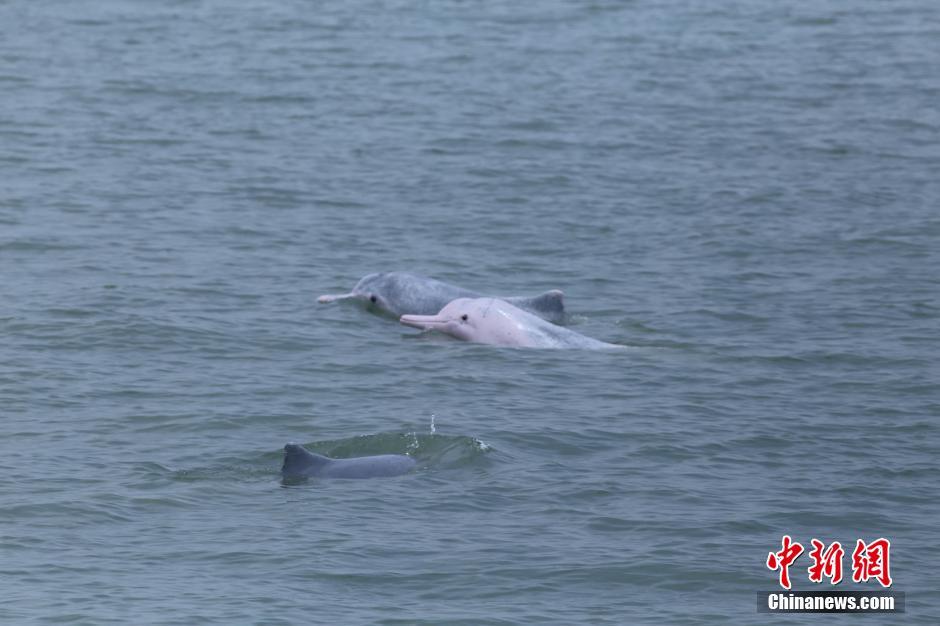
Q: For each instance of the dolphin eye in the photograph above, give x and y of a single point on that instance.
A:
(373, 299)
(464, 317)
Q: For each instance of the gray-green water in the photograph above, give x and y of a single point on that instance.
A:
(747, 194)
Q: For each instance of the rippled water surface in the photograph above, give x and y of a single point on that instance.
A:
(745, 194)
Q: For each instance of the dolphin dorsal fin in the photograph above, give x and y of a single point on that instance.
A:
(552, 300)
(298, 460)
(549, 305)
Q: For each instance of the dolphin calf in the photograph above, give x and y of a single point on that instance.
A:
(301, 463)
(401, 293)
(497, 322)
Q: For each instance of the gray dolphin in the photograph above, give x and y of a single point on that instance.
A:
(301, 463)
(497, 322)
(401, 293)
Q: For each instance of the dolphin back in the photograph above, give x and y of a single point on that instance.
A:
(404, 293)
(369, 466)
(301, 463)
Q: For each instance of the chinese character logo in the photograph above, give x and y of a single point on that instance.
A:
(826, 563)
(869, 560)
(783, 559)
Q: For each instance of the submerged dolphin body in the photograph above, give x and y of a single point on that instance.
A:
(497, 322)
(401, 293)
(301, 463)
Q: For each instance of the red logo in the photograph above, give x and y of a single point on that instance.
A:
(869, 560)
(783, 559)
(826, 563)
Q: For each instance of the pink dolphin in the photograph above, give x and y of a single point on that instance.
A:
(496, 322)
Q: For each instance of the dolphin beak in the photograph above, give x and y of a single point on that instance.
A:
(333, 298)
(424, 322)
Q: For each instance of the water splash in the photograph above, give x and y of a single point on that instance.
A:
(414, 444)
